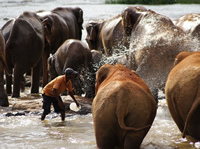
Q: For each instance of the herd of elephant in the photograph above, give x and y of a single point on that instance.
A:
(158, 54)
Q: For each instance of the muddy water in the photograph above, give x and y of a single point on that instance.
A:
(28, 132)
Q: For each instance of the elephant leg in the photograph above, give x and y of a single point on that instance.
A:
(3, 95)
(194, 106)
(45, 74)
(8, 84)
(9, 79)
(155, 94)
(105, 142)
(36, 77)
(18, 76)
(131, 142)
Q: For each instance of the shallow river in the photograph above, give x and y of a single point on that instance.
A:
(28, 132)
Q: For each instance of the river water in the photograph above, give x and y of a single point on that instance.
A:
(28, 132)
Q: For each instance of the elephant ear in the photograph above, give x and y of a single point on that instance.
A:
(80, 17)
(126, 21)
(102, 74)
(130, 16)
(78, 12)
(47, 23)
(93, 32)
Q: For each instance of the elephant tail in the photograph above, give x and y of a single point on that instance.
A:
(127, 128)
(194, 106)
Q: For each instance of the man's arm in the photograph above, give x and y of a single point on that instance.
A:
(60, 102)
(72, 95)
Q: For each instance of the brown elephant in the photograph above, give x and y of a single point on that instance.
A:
(76, 55)
(107, 35)
(60, 24)
(123, 109)
(190, 24)
(3, 95)
(182, 93)
(24, 38)
(130, 16)
(155, 42)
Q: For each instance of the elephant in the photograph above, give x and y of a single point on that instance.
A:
(105, 35)
(182, 93)
(129, 16)
(123, 109)
(75, 54)
(60, 24)
(73, 18)
(108, 35)
(190, 24)
(3, 66)
(24, 37)
(155, 42)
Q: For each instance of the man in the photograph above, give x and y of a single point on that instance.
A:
(51, 93)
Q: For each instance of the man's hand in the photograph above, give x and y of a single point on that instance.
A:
(72, 95)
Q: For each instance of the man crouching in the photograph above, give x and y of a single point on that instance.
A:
(51, 93)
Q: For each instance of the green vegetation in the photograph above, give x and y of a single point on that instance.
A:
(153, 2)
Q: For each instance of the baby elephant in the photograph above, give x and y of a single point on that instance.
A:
(123, 108)
(74, 54)
(182, 92)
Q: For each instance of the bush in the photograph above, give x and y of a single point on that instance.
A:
(152, 2)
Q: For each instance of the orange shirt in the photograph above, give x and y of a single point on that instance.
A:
(59, 84)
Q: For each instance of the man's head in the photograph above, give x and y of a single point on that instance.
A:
(70, 72)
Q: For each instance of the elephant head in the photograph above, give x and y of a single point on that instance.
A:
(130, 16)
(47, 23)
(79, 16)
(73, 18)
(92, 34)
(182, 55)
(105, 35)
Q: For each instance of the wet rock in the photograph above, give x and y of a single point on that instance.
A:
(20, 113)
